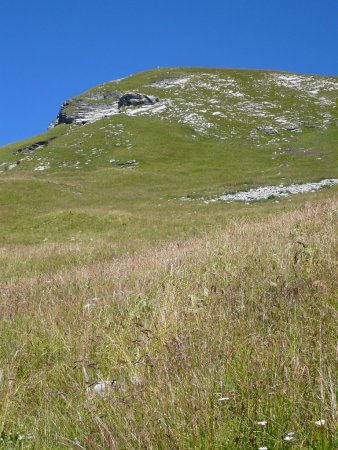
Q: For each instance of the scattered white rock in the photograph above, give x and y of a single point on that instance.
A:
(309, 85)
(268, 130)
(208, 97)
(145, 110)
(168, 83)
(43, 167)
(265, 192)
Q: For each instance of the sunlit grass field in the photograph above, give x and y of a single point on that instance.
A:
(186, 346)
(133, 319)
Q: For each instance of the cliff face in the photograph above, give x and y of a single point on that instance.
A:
(96, 106)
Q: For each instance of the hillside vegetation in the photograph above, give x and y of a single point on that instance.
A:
(205, 338)
(141, 307)
(120, 177)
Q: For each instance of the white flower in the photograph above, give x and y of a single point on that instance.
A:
(28, 436)
(320, 422)
(94, 302)
(135, 380)
(263, 448)
(262, 423)
(103, 388)
(290, 437)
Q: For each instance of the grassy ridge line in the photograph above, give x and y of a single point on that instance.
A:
(246, 314)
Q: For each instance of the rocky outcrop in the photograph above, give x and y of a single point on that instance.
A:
(96, 106)
(77, 110)
(269, 192)
(63, 116)
(124, 164)
(133, 99)
(32, 147)
(268, 130)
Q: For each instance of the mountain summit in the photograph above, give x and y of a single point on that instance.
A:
(223, 104)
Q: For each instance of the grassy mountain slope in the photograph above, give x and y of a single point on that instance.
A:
(212, 135)
(204, 340)
(216, 320)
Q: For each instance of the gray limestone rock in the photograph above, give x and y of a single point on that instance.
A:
(96, 106)
(133, 99)
(292, 128)
(63, 116)
(268, 130)
(32, 147)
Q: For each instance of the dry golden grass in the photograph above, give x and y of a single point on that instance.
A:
(245, 315)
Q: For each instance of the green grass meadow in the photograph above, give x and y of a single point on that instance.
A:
(214, 323)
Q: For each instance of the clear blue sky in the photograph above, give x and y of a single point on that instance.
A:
(52, 50)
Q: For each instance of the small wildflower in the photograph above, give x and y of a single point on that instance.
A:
(88, 306)
(290, 437)
(93, 302)
(263, 448)
(28, 436)
(262, 423)
(103, 388)
(318, 284)
(320, 423)
(135, 380)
